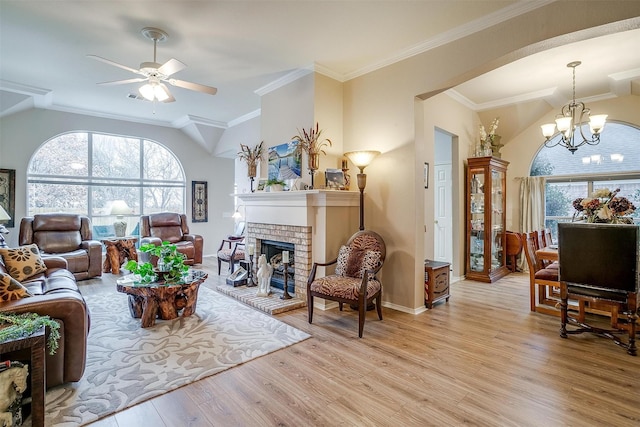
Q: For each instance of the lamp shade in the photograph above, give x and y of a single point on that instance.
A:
(4, 216)
(362, 159)
(119, 207)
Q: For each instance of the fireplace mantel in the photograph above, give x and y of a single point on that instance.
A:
(294, 207)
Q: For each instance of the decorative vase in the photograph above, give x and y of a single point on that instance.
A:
(314, 165)
(251, 170)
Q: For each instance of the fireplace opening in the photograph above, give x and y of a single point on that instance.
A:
(273, 251)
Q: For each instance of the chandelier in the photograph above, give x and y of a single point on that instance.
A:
(570, 118)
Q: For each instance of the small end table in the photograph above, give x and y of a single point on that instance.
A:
(36, 343)
(118, 249)
(436, 282)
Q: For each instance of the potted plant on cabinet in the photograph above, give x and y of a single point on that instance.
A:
(311, 143)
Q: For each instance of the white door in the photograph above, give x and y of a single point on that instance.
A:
(443, 228)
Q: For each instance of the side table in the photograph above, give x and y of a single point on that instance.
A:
(118, 249)
(436, 282)
(36, 343)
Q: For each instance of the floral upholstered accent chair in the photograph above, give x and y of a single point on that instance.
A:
(354, 281)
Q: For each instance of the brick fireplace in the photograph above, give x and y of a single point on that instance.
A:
(316, 222)
(298, 236)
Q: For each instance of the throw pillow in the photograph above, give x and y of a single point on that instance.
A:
(352, 262)
(23, 262)
(11, 289)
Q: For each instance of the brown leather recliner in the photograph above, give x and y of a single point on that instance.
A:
(65, 235)
(55, 294)
(172, 228)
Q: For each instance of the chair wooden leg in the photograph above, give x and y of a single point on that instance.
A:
(532, 295)
(310, 306)
(362, 313)
(340, 305)
(379, 305)
(219, 265)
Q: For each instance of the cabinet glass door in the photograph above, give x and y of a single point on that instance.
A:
(477, 208)
(497, 204)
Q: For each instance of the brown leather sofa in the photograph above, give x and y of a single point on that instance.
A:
(65, 235)
(55, 294)
(172, 228)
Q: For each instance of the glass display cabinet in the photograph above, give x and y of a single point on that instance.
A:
(485, 219)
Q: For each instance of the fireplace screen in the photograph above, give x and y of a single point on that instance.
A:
(273, 251)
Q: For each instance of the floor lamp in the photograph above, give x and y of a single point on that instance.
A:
(362, 159)
(4, 216)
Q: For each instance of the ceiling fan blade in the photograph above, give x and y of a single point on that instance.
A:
(122, 82)
(172, 66)
(115, 64)
(193, 86)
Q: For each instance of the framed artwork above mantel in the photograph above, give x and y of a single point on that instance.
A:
(8, 194)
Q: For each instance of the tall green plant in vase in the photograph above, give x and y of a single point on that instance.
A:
(311, 143)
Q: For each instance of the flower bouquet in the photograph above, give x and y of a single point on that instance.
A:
(604, 206)
(489, 141)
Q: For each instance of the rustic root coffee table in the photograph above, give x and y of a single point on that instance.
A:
(148, 301)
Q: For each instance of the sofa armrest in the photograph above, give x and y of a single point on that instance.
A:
(55, 262)
(94, 251)
(68, 308)
(198, 245)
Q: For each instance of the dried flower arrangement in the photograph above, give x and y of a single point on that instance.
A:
(604, 206)
(251, 156)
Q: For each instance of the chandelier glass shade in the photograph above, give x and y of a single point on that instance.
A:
(569, 123)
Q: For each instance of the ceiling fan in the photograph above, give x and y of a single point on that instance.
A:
(156, 74)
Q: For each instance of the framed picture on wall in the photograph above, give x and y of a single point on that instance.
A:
(285, 161)
(199, 205)
(8, 194)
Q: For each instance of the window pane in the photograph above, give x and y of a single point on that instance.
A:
(57, 198)
(116, 157)
(617, 152)
(64, 155)
(160, 164)
(560, 197)
(104, 196)
(163, 199)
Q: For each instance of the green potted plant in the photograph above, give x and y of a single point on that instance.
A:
(275, 184)
(170, 266)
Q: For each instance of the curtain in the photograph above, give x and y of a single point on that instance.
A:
(532, 201)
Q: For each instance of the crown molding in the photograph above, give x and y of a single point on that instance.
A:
(284, 80)
(502, 15)
(244, 118)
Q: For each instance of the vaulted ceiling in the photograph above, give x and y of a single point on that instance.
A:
(243, 47)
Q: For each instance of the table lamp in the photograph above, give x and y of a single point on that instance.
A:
(362, 159)
(119, 208)
(4, 216)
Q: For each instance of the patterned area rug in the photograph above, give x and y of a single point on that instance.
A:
(127, 364)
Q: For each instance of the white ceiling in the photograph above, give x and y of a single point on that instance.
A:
(241, 47)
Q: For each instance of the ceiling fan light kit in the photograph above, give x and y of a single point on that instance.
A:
(571, 117)
(155, 74)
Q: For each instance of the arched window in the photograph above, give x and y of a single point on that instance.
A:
(86, 172)
(613, 163)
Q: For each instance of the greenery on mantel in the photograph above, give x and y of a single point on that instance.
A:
(25, 324)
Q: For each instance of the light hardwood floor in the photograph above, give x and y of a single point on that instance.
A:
(481, 359)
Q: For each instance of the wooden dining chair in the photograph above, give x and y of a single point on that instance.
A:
(540, 278)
